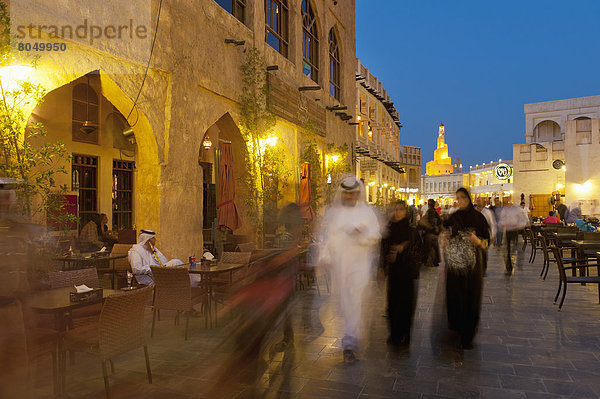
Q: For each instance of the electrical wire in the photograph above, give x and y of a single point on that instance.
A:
(148, 64)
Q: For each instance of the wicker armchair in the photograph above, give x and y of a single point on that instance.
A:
(122, 266)
(84, 315)
(229, 259)
(173, 291)
(246, 247)
(70, 278)
(120, 330)
(236, 258)
(42, 341)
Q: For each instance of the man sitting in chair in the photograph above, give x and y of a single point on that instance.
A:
(144, 254)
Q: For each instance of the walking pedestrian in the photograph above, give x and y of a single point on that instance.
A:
(464, 244)
(512, 220)
(574, 213)
(431, 224)
(351, 237)
(400, 248)
(497, 210)
(491, 220)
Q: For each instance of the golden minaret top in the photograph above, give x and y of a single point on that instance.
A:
(442, 163)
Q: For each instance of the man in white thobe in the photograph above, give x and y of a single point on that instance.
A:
(351, 238)
(145, 254)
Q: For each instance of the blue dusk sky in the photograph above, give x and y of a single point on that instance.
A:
(473, 65)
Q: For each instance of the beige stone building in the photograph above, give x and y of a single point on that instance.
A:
(144, 164)
(558, 158)
(377, 140)
(410, 160)
(582, 157)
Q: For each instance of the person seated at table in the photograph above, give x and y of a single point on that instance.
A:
(144, 254)
(108, 237)
(90, 237)
(551, 218)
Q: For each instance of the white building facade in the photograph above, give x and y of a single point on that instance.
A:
(442, 188)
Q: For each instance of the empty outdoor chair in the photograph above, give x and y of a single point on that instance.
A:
(173, 291)
(525, 234)
(547, 250)
(122, 265)
(534, 239)
(564, 280)
(119, 330)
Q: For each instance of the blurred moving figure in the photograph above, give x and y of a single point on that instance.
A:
(491, 220)
(574, 213)
(400, 248)
(262, 301)
(511, 221)
(497, 208)
(431, 223)
(291, 219)
(464, 287)
(14, 248)
(351, 237)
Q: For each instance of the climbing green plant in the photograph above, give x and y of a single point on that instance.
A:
(336, 166)
(267, 174)
(25, 153)
(312, 156)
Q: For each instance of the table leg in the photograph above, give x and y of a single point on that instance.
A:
(113, 274)
(581, 257)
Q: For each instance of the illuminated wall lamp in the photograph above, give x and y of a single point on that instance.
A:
(207, 144)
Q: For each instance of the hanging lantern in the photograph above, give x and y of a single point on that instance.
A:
(207, 144)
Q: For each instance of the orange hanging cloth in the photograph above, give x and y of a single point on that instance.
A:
(227, 214)
(305, 193)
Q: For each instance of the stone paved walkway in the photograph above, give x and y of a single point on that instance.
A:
(525, 348)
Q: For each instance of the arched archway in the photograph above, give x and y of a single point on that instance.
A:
(111, 158)
(223, 130)
(547, 131)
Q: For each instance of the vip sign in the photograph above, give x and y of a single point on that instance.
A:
(503, 171)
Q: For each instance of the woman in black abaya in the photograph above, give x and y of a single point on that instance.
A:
(464, 286)
(402, 270)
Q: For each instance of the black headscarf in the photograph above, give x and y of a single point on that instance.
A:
(398, 232)
(468, 218)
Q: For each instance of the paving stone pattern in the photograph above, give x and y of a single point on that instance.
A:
(524, 348)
